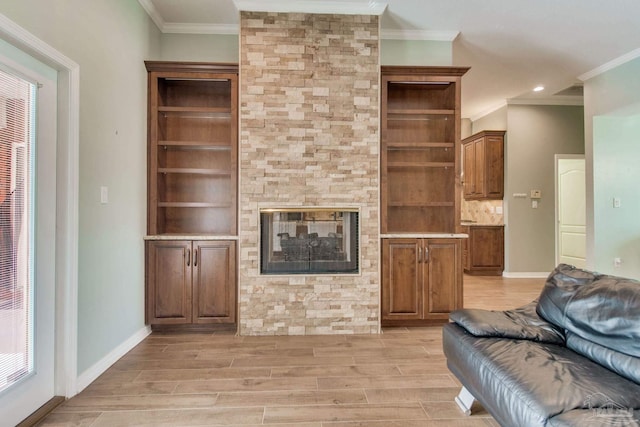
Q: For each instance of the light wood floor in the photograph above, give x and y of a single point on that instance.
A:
(398, 378)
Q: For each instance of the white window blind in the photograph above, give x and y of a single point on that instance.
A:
(16, 228)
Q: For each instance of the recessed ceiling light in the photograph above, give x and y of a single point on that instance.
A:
(538, 88)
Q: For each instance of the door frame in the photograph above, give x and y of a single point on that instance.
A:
(557, 159)
(67, 189)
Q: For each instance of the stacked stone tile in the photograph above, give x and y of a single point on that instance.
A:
(309, 137)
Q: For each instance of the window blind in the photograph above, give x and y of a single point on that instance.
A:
(17, 112)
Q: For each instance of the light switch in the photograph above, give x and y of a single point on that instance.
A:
(536, 194)
(499, 210)
(104, 195)
(616, 202)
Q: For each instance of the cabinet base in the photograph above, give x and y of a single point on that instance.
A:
(483, 272)
(413, 323)
(203, 328)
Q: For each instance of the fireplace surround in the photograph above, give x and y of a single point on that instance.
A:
(308, 137)
(309, 241)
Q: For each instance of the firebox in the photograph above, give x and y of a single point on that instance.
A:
(309, 241)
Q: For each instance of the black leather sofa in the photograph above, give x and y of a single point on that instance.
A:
(570, 358)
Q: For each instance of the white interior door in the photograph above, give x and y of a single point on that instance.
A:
(571, 211)
(28, 242)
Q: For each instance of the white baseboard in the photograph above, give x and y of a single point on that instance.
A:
(526, 275)
(90, 375)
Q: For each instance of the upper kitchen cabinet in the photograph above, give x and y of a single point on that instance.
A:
(483, 165)
(420, 142)
(193, 120)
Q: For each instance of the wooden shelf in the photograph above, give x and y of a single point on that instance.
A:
(430, 112)
(214, 110)
(397, 165)
(418, 145)
(195, 145)
(419, 204)
(194, 171)
(193, 205)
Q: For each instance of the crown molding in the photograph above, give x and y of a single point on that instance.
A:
(556, 100)
(151, 10)
(441, 36)
(610, 65)
(308, 6)
(180, 28)
(488, 111)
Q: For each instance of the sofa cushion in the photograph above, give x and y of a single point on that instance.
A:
(523, 383)
(520, 323)
(599, 308)
(623, 364)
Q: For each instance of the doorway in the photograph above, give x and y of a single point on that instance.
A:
(570, 210)
(26, 50)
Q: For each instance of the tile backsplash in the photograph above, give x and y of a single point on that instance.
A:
(482, 211)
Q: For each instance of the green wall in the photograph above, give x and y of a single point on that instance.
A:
(109, 39)
(225, 48)
(612, 126)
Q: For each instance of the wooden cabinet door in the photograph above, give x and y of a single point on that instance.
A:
(169, 282)
(494, 166)
(401, 279)
(469, 167)
(480, 168)
(443, 278)
(214, 282)
(487, 248)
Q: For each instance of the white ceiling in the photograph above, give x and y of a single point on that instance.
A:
(510, 45)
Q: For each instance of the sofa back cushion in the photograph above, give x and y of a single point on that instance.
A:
(599, 308)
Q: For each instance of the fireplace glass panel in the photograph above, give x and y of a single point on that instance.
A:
(319, 241)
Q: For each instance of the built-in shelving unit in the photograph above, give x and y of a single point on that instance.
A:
(192, 191)
(420, 194)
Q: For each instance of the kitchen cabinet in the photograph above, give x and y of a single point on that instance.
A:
(483, 251)
(421, 280)
(190, 282)
(483, 165)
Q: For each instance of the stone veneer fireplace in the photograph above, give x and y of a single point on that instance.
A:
(309, 136)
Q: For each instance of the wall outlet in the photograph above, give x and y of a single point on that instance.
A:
(534, 204)
(499, 210)
(616, 202)
(617, 262)
(536, 194)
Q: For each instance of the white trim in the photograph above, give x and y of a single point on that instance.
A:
(526, 275)
(183, 28)
(610, 65)
(151, 10)
(488, 111)
(556, 100)
(67, 198)
(308, 6)
(93, 372)
(429, 35)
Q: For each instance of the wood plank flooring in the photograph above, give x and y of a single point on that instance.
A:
(397, 378)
